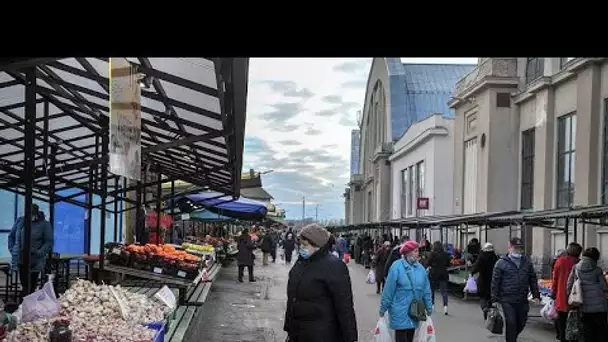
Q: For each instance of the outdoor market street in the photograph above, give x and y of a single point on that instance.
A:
(241, 312)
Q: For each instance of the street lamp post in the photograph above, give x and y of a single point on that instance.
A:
(303, 209)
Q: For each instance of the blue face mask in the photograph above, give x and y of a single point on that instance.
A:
(516, 255)
(304, 253)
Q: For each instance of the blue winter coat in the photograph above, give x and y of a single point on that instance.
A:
(342, 246)
(42, 243)
(397, 295)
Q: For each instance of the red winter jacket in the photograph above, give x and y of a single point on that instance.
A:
(561, 271)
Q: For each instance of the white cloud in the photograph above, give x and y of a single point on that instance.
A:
(320, 97)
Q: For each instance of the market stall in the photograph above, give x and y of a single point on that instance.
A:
(65, 143)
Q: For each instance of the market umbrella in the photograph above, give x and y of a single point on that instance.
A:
(241, 208)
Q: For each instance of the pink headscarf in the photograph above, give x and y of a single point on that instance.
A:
(408, 247)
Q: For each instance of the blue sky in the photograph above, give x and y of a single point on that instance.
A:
(300, 113)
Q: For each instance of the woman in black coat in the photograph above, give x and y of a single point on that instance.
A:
(485, 267)
(319, 294)
(438, 262)
(245, 256)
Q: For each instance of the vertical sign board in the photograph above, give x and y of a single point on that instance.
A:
(422, 203)
(125, 120)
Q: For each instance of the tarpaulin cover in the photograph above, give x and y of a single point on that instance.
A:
(206, 215)
(241, 208)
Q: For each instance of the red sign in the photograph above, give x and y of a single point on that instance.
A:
(422, 203)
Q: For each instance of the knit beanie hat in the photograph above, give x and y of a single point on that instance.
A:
(408, 246)
(315, 234)
(488, 247)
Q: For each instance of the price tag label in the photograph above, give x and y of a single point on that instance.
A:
(166, 296)
(158, 270)
(116, 251)
(181, 274)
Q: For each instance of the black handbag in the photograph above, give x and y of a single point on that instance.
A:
(417, 309)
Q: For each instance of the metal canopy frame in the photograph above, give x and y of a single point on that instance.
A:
(54, 131)
(192, 129)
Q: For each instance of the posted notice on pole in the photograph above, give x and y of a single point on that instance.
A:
(125, 120)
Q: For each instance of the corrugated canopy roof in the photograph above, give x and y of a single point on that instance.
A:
(191, 128)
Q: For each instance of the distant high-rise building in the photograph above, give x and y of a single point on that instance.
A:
(355, 138)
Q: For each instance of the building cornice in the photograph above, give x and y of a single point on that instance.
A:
(567, 73)
(419, 140)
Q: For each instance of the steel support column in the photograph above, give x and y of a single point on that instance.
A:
(29, 169)
(105, 142)
(159, 192)
(138, 214)
(116, 182)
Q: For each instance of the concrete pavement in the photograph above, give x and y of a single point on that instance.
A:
(255, 311)
(244, 312)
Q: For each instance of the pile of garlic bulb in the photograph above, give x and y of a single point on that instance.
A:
(95, 316)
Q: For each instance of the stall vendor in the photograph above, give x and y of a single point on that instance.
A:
(42, 245)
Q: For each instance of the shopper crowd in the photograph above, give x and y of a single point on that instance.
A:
(408, 273)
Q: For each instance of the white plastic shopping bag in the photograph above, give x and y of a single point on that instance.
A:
(382, 333)
(40, 304)
(371, 277)
(425, 332)
(471, 285)
(548, 311)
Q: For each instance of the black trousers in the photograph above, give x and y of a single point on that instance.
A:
(595, 326)
(404, 335)
(23, 273)
(249, 272)
(288, 254)
(560, 325)
(379, 285)
(273, 254)
(516, 317)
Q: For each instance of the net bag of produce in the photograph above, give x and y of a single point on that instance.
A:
(548, 311)
(40, 304)
(494, 322)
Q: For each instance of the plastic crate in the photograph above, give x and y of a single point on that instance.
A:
(160, 331)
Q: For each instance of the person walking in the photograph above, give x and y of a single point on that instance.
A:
(266, 247)
(289, 244)
(245, 256)
(274, 237)
(379, 262)
(319, 293)
(513, 278)
(42, 244)
(342, 247)
(407, 284)
(594, 310)
(561, 271)
(394, 255)
(438, 262)
(483, 267)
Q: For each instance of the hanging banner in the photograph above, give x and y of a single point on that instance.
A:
(125, 120)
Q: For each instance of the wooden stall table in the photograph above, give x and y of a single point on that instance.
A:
(181, 284)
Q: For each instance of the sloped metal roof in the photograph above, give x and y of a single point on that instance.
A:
(420, 90)
(192, 129)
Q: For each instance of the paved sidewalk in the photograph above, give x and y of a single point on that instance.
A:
(244, 311)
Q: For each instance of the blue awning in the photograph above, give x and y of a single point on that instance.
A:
(206, 215)
(218, 203)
